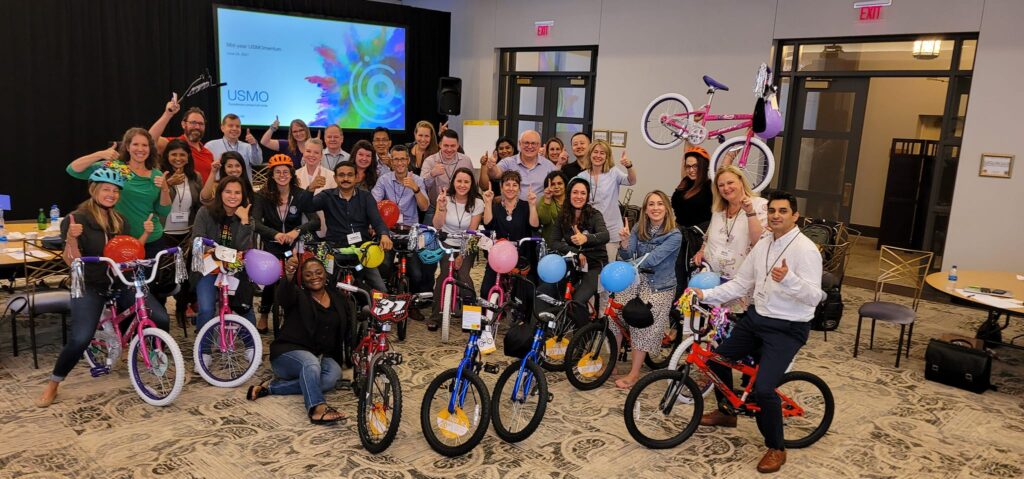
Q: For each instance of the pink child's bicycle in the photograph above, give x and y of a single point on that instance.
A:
(670, 118)
(156, 367)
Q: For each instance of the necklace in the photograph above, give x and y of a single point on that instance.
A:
(728, 225)
(322, 302)
(508, 212)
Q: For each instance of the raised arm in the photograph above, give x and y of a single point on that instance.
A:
(268, 136)
(81, 164)
(157, 130)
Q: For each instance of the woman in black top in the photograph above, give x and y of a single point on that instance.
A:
(509, 218)
(691, 201)
(306, 356)
(278, 219)
(581, 229)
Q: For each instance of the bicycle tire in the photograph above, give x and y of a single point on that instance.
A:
(539, 391)
(403, 326)
(760, 167)
(430, 411)
(677, 363)
(447, 307)
(375, 435)
(580, 359)
(656, 134)
(804, 395)
(668, 347)
(167, 357)
(235, 366)
(649, 395)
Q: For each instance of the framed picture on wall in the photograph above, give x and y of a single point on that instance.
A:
(996, 165)
(600, 135)
(617, 139)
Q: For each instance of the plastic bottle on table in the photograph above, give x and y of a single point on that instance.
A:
(951, 280)
(3, 231)
(54, 214)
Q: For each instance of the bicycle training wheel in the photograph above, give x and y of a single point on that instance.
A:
(403, 326)
(760, 165)
(159, 383)
(807, 408)
(453, 428)
(672, 337)
(447, 308)
(516, 415)
(658, 134)
(380, 409)
(591, 356)
(234, 363)
(654, 416)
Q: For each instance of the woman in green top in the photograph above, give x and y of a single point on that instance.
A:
(551, 204)
(145, 194)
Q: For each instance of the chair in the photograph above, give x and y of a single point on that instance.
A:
(43, 262)
(897, 267)
(260, 175)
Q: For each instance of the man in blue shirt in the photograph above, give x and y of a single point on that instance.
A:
(531, 166)
(350, 212)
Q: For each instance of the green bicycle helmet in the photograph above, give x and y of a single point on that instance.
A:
(107, 175)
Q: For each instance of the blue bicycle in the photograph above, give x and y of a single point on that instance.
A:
(456, 406)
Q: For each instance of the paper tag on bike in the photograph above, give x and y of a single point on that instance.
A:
(486, 343)
(209, 264)
(775, 103)
(225, 254)
(232, 282)
(589, 366)
(471, 317)
(329, 264)
(355, 238)
(485, 243)
(421, 242)
(452, 425)
(555, 349)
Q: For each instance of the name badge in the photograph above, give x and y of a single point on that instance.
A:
(181, 217)
(355, 238)
(761, 295)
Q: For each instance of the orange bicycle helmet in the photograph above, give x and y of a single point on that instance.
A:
(693, 150)
(279, 160)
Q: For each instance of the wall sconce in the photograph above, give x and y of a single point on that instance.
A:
(927, 49)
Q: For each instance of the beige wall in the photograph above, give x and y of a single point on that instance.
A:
(893, 110)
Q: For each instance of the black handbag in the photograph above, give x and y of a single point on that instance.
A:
(958, 366)
(828, 314)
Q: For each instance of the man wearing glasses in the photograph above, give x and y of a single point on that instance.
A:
(193, 125)
(532, 167)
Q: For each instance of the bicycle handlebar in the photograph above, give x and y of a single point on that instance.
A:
(76, 268)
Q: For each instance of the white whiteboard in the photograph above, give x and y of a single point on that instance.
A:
(478, 137)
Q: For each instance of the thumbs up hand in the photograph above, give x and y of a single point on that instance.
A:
(147, 226)
(779, 272)
(276, 124)
(578, 239)
(249, 138)
(626, 162)
(74, 229)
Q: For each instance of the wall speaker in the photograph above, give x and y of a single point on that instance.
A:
(449, 96)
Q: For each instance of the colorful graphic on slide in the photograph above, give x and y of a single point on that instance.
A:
(318, 70)
(367, 82)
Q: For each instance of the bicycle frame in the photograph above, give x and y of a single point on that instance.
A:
(226, 337)
(139, 322)
(705, 114)
(533, 355)
(458, 398)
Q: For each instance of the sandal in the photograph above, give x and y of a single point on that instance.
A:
(258, 391)
(622, 383)
(432, 324)
(323, 420)
(265, 329)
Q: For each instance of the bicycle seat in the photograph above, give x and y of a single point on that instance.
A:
(711, 82)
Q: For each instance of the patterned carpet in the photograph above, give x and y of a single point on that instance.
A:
(889, 422)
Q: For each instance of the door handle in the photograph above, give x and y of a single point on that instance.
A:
(847, 193)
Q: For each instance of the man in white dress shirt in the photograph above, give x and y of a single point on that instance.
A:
(231, 126)
(784, 272)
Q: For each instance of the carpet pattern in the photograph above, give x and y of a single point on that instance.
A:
(889, 422)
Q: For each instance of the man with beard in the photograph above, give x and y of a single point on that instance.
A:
(193, 124)
(231, 126)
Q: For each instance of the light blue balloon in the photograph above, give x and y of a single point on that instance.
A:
(551, 268)
(617, 276)
(705, 280)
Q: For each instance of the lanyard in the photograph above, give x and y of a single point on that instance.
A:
(399, 190)
(228, 148)
(767, 253)
(284, 213)
(180, 189)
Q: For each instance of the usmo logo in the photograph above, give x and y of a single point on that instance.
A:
(248, 96)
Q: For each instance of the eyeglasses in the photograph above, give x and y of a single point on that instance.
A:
(195, 123)
(282, 173)
(691, 167)
(531, 143)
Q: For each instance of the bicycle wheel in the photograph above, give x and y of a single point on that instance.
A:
(668, 106)
(454, 433)
(807, 408)
(236, 362)
(760, 166)
(403, 326)
(556, 342)
(516, 415)
(678, 363)
(591, 356)
(380, 409)
(673, 336)
(159, 383)
(447, 307)
(654, 416)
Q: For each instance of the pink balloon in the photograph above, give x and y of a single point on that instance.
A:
(503, 256)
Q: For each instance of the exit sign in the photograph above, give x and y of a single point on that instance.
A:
(543, 28)
(870, 13)
(869, 10)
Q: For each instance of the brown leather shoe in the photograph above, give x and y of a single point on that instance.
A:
(718, 418)
(772, 461)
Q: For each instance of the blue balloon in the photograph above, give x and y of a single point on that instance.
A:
(705, 280)
(617, 276)
(551, 268)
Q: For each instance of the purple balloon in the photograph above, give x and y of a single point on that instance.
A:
(262, 267)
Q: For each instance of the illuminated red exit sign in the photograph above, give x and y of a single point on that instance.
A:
(869, 10)
(870, 13)
(544, 28)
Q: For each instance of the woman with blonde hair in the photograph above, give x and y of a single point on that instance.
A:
(655, 235)
(294, 146)
(739, 217)
(424, 144)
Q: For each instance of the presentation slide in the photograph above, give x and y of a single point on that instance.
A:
(321, 71)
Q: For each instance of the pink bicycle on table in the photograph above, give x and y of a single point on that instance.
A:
(670, 118)
(156, 367)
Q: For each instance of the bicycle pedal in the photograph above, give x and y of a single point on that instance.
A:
(551, 397)
(491, 368)
(721, 138)
(99, 371)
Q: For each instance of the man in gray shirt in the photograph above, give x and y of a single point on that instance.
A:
(438, 169)
(231, 126)
(333, 154)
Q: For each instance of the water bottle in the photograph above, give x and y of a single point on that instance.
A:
(54, 214)
(41, 220)
(951, 279)
(3, 231)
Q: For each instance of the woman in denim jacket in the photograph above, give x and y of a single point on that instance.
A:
(658, 236)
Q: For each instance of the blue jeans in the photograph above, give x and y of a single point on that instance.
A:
(85, 316)
(301, 372)
(208, 294)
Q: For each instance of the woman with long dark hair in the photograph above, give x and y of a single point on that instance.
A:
(459, 208)
(231, 163)
(581, 229)
(368, 170)
(691, 200)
